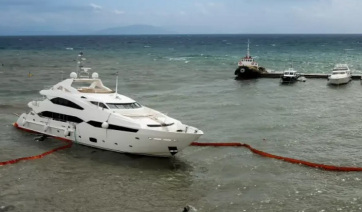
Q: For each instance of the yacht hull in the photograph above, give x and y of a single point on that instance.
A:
(339, 81)
(288, 80)
(143, 142)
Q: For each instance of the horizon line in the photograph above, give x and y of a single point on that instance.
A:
(166, 34)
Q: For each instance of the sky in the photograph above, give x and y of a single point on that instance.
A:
(185, 16)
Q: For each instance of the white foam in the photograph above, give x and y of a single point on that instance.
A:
(177, 58)
(69, 48)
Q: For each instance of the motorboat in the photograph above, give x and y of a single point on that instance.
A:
(83, 110)
(291, 76)
(340, 75)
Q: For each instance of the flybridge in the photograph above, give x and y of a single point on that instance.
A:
(84, 83)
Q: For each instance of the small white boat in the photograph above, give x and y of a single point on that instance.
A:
(290, 76)
(340, 75)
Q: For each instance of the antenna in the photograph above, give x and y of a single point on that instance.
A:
(79, 62)
(116, 84)
(248, 51)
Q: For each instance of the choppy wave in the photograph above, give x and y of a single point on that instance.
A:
(3, 106)
(270, 70)
(194, 56)
(177, 58)
(69, 48)
(12, 108)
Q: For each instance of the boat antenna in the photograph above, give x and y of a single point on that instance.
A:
(116, 84)
(248, 51)
(79, 62)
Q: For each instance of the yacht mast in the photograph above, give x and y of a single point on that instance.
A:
(116, 84)
(248, 51)
(79, 63)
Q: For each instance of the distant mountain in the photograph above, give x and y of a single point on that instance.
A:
(134, 30)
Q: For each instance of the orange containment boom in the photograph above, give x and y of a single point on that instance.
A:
(290, 160)
(69, 144)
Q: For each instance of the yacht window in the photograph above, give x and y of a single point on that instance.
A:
(334, 73)
(134, 105)
(67, 103)
(340, 68)
(60, 117)
(100, 104)
(93, 140)
(160, 125)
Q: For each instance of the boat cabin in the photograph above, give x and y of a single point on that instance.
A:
(290, 73)
(338, 72)
(248, 60)
(341, 67)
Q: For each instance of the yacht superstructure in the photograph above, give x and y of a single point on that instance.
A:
(83, 110)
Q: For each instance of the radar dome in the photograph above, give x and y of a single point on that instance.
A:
(95, 75)
(73, 75)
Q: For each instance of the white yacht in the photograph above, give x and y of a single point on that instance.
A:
(340, 75)
(83, 110)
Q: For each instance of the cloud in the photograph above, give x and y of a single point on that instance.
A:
(119, 12)
(211, 4)
(209, 7)
(95, 6)
(182, 13)
(216, 16)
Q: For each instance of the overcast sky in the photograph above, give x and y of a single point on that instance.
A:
(186, 16)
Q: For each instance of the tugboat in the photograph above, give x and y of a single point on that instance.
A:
(248, 68)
